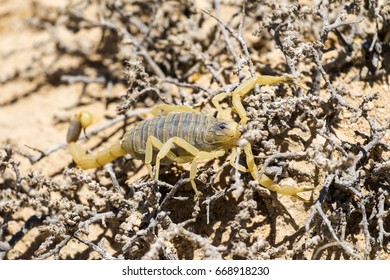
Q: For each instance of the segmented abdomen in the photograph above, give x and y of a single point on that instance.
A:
(186, 125)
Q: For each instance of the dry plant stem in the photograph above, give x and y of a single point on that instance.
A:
(169, 253)
(147, 91)
(173, 190)
(210, 93)
(342, 244)
(8, 160)
(236, 35)
(328, 181)
(144, 232)
(211, 251)
(378, 132)
(364, 223)
(110, 170)
(276, 34)
(216, 173)
(56, 250)
(381, 215)
(84, 226)
(217, 194)
(84, 79)
(287, 155)
(322, 248)
(377, 17)
(224, 29)
(211, 65)
(324, 132)
(95, 247)
(188, 85)
(104, 23)
(153, 183)
(327, 27)
(324, 191)
(214, 73)
(227, 88)
(141, 50)
(242, 41)
(329, 85)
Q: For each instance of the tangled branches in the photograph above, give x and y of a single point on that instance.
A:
(325, 133)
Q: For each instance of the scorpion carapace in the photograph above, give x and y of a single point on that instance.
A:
(181, 134)
(202, 131)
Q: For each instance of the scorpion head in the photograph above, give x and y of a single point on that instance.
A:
(223, 133)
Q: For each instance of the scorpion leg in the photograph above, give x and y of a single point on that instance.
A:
(264, 180)
(197, 155)
(79, 155)
(154, 142)
(222, 113)
(243, 90)
(285, 189)
(248, 85)
(233, 161)
(194, 164)
(267, 182)
(164, 109)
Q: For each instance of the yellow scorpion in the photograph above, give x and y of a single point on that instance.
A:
(181, 134)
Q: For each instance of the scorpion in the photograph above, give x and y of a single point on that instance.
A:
(180, 134)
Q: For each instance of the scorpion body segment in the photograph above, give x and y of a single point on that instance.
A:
(204, 132)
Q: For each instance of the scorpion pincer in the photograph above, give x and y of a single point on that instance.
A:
(181, 134)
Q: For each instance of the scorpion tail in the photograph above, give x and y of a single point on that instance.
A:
(285, 189)
(85, 161)
(79, 155)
